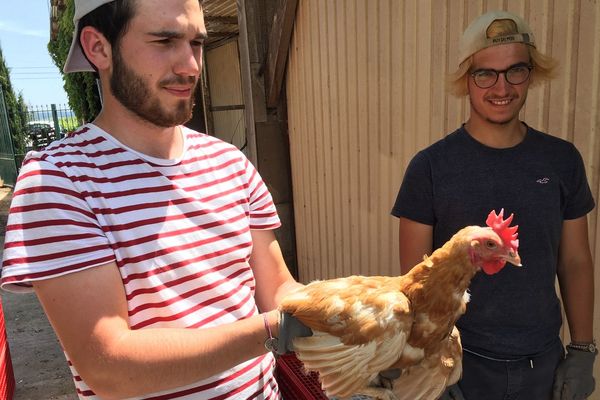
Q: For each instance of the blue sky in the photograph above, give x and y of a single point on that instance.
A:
(24, 36)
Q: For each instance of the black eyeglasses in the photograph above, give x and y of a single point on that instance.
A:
(515, 75)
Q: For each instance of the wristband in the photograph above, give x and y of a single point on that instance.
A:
(271, 342)
(589, 347)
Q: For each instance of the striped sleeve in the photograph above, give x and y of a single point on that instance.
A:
(51, 231)
(263, 214)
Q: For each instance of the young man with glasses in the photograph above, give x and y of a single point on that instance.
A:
(510, 331)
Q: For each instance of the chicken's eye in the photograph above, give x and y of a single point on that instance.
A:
(490, 244)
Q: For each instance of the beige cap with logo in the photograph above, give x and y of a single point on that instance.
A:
(476, 35)
(76, 61)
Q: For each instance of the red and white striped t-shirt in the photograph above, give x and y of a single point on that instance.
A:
(179, 231)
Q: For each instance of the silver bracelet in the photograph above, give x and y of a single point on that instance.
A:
(589, 347)
(271, 342)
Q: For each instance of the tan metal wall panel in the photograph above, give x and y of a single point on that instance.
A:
(225, 85)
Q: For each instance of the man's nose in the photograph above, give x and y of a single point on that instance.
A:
(502, 83)
(189, 62)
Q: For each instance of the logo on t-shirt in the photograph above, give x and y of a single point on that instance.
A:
(543, 181)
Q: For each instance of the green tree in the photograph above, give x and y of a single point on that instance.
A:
(81, 86)
(15, 108)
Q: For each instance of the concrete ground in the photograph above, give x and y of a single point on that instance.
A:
(40, 367)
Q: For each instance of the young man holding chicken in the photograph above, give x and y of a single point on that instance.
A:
(149, 245)
(510, 332)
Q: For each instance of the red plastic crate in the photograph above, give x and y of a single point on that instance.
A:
(7, 378)
(294, 383)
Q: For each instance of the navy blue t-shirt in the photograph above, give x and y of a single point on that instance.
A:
(456, 182)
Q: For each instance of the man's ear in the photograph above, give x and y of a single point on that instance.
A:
(96, 48)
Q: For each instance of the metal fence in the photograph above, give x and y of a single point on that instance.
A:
(44, 124)
(49, 122)
(8, 167)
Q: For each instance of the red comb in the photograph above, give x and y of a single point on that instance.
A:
(507, 233)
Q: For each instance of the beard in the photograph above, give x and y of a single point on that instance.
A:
(131, 90)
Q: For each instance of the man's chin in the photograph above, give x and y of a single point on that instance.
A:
(500, 121)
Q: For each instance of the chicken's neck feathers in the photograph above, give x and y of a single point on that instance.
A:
(435, 288)
(444, 273)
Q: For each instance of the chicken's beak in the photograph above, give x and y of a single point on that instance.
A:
(513, 257)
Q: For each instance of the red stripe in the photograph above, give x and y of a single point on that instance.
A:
(81, 164)
(53, 256)
(187, 246)
(261, 197)
(163, 219)
(264, 227)
(143, 206)
(73, 143)
(264, 215)
(85, 393)
(205, 256)
(229, 310)
(132, 177)
(95, 154)
(240, 388)
(182, 280)
(50, 239)
(199, 306)
(83, 129)
(225, 193)
(104, 167)
(204, 157)
(160, 204)
(185, 295)
(58, 271)
(196, 228)
(271, 383)
(268, 205)
(255, 189)
(126, 193)
(208, 184)
(184, 263)
(39, 172)
(51, 189)
(50, 206)
(211, 385)
(192, 310)
(53, 222)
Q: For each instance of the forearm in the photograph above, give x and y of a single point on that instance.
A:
(145, 361)
(577, 291)
(273, 279)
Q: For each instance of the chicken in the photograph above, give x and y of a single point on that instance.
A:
(365, 325)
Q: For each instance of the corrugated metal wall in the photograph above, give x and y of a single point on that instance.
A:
(226, 99)
(365, 91)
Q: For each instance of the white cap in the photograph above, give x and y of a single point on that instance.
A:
(476, 37)
(76, 61)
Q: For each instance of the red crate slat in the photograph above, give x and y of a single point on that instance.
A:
(294, 382)
(7, 378)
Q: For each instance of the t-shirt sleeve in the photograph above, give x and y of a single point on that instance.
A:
(580, 200)
(263, 214)
(51, 231)
(415, 197)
